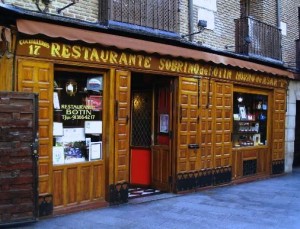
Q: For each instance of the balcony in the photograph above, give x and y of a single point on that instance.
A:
(155, 14)
(257, 39)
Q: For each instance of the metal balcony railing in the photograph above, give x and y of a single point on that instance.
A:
(255, 38)
(156, 14)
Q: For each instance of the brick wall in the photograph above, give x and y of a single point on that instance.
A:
(262, 10)
(83, 10)
(223, 34)
(265, 11)
(289, 15)
(224, 31)
(183, 17)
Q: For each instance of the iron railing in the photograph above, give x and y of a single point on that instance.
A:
(255, 38)
(156, 14)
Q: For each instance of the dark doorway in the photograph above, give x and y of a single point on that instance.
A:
(296, 162)
(150, 144)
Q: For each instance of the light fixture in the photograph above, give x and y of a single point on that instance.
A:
(201, 25)
(240, 98)
(45, 2)
(71, 88)
(247, 41)
(5, 42)
(65, 7)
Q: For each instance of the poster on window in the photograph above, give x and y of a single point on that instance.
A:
(58, 155)
(164, 123)
(94, 101)
(93, 127)
(95, 151)
(243, 113)
(74, 145)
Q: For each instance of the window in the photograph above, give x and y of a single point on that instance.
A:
(250, 119)
(77, 120)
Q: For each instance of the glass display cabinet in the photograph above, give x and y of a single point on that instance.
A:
(249, 119)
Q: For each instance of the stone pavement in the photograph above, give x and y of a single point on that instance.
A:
(264, 204)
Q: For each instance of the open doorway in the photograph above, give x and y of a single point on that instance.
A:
(150, 135)
(296, 162)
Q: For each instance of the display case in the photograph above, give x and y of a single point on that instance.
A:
(249, 120)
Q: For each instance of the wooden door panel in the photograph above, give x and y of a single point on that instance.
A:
(223, 123)
(85, 184)
(123, 80)
(37, 77)
(278, 125)
(188, 124)
(58, 192)
(78, 183)
(98, 184)
(206, 124)
(71, 184)
(161, 167)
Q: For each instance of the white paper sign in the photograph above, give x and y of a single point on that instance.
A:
(72, 135)
(93, 127)
(58, 129)
(58, 155)
(56, 100)
(95, 152)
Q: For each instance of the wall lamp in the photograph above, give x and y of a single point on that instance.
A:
(5, 42)
(46, 4)
(201, 25)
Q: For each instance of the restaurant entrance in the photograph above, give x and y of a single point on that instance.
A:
(151, 134)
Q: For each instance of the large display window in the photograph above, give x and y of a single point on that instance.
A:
(250, 115)
(77, 121)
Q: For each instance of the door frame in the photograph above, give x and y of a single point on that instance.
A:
(170, 82)
(172, 111)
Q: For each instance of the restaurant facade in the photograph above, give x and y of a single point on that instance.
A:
(117, 112)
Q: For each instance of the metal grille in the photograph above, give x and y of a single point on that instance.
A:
(141, 119)
(157, 14)
(257, 38)
(249, 167)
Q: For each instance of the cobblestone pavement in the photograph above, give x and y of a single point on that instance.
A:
(269, 203)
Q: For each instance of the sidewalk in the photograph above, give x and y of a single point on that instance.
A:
(270, 203)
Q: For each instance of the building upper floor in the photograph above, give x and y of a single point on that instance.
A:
(263, 30)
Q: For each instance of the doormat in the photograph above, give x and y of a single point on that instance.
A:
(142, 192)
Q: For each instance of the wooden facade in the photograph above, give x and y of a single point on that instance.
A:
(195, 151)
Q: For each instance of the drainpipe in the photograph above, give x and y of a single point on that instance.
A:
(278, 13)
(278, 23)
(191, 21)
